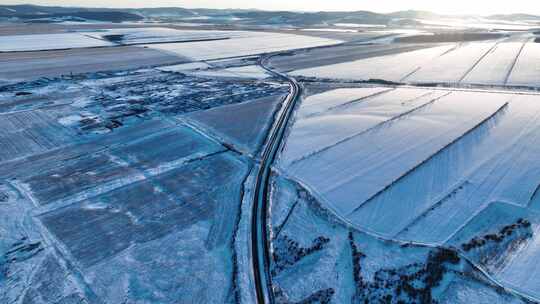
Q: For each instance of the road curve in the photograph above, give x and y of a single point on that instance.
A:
(260, 247)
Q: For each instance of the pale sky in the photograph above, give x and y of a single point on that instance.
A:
(445, 7)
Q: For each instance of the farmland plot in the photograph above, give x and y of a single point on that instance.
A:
(249, 44)
(26, 133)
(504, 238)
(453, 66)
(526, 72)
(313, 134)
(493, 164)
(391, 68)
(310, 245)
(42, 42)
(189, 210)
(496, 66)
(241, 125)
(129, 36)
(381, 156)
(90, 175)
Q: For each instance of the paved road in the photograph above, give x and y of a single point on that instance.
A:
(259, 242)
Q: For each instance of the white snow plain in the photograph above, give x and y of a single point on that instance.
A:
(243, 44)
(527, 69)
(20, 43)
(390, 67)
(480, 63)
(130, 36)
(452, 66)
(314, 133)
(496, 66)
(460, 167)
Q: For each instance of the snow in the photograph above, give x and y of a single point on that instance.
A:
(527, 69)
(185, 67)
(390, 68)
(346, 180)
(496, 163)
(360, 25)
(246, 43)
(329, 30)
(249, 72)
(158, 34)
(315, 133)
(452, 66)
(41, 42)
(496, 66)
(242, 125)
(371, 270)
(25, 133)
(318, 104)
(516, 264)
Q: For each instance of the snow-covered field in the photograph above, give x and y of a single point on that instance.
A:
(459, 168)
(383, 154)
(513, 63)
(504, 239)
(129, 36)
(243, 125)
(317, 130)
(317, 258)
(496, 66)
(391, 68)
(248, 72)
(453, 66)
(126, 177)
(527, 69)
(41, 42)
(246, 43)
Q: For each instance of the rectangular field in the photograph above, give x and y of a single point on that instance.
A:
(496, 66)
(351, 173)
(249, 43)
(453, 66)
(390, 68)
(310, 135)
(526, 72)
(43, 42)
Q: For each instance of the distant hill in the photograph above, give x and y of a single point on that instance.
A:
(237, 16)
(35, 12)
(515, 17)
(413, 14)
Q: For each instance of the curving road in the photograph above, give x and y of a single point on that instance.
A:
(260, 247)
